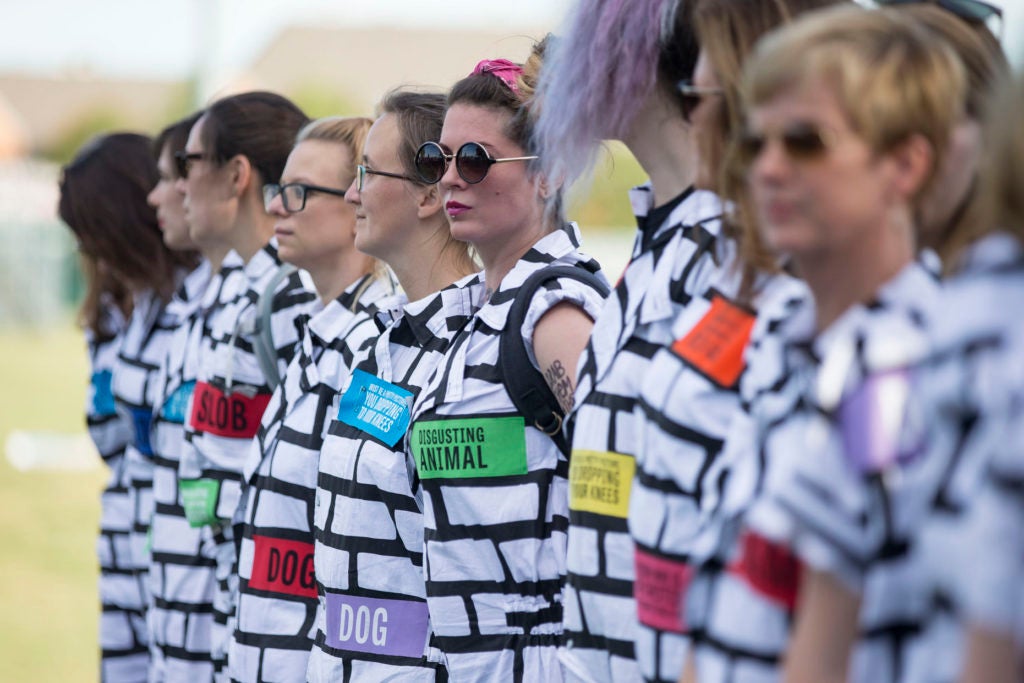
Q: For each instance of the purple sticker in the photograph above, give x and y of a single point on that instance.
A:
(387, 627)
(877, 425)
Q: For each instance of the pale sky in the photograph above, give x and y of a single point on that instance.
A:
(165, 38)
(169, 38)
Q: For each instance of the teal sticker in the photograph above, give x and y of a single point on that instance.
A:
(199, 498)
(376, 407)
(103, 394)
(176, 403)
(470, 447)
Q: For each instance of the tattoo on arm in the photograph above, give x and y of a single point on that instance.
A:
(561, 385)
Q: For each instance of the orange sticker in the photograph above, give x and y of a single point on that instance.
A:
(715, 345)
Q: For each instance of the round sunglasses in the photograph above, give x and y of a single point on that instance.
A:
(472, 161)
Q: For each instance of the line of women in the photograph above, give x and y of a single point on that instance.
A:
(372, 414)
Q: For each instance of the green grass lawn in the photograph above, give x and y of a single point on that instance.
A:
(48, 519)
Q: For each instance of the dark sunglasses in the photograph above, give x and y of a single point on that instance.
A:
(472, 162)
(801, 142)
(362, 170)
(293, 195)
(183, 161)
(974, 11)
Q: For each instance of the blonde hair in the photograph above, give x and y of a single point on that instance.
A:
(892, 79)
(1000, 201)
(349, 131)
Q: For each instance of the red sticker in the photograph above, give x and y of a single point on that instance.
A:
(770, 569)
(716, 344)
(281, 566)
(235, 415)
(660, 591)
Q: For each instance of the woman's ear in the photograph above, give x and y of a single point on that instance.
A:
(241, 174)
(913, 165)
(430, 201)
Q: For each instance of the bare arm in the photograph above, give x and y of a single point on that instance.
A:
(689, 671)
(991, 658)
(558, 340)
(825, 631)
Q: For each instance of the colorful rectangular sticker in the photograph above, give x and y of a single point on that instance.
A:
(716, 344)
(142, 418)
(199, 498)
(600, 482)
(176, 405)
(877, 423)
(234, 415)
(769, 568)
(470, 447)
(660, 590)
(379, 408)
(397, 628)
(102, 394)
(283, 566)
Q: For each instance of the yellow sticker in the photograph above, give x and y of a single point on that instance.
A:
(600, 481)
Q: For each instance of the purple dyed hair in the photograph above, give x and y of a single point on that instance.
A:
(601, 67)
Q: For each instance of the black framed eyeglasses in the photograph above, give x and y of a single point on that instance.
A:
(362, 170)
(293, 195)
(183, 161)
(971, 11)
(472, 161)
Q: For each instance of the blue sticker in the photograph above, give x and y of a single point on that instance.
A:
(376, 407)
(176, 403)
(102, 394)
(142, 418)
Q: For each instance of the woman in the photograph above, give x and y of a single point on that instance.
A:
(495, 520)
(644, 363)
(840, 151)
(131, 274)
(979, 537)
(372, 623)
(181, 579)
(239, 144)
(635, 101)
(887, 588)
(315, 231)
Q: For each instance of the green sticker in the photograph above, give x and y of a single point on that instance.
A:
(199, 498)
(470, 447)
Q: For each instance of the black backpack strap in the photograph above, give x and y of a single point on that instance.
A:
(527, 388)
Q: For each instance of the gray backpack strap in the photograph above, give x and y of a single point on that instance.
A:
(263, 341)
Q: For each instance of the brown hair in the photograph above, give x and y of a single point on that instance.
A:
(980, 52)
(727, 31)
(103, 201)
(486, 90)
(419, 117)
(1000, 201)
(349, 132)
(174, 137)
(260, 126)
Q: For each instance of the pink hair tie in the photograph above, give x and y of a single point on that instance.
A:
(502, 69)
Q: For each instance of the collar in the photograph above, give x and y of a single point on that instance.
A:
(560, 245)
(263, 261)
(436, 314)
